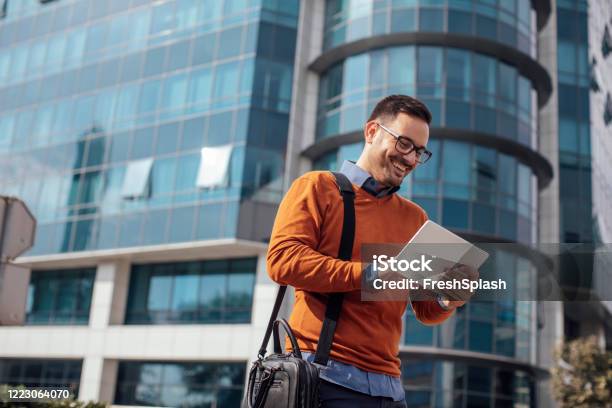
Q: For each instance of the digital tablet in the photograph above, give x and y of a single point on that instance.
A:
(436, 241)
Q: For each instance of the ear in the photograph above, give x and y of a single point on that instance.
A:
(369, 131)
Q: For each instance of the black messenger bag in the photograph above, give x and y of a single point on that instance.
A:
(285, 380)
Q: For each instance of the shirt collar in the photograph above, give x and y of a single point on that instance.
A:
(363, 179)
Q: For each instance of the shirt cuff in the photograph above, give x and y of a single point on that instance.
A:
(440, 301)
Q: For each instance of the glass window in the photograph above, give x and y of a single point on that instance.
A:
(524, 185)
(403, 20)
(41, 373)
(230, 42)
(456, 159)
(455, 213)
(162, 176)
(507, 82)
(200, 87)
(485, 168)
(204, 49)
(175, 92)
(507, 174)
(37, 55)
(189, 292)
(105, 108)
(458, 114)
(19, 60)
(193, 133)
(524, 97)
(568, 135)
(458, 74)
(154, 227)
(178, 55)
(160, 289)
(154, 61)
(214, 165)
(355, 73)
(566, 56)
(167, 138)
(185, 292)
(417, 333)
(430, 65)
(187, 170)
(135, 183)
(459, 21)
(111, 200)
(186, 13)
(431, 19)
(96, 39)
(149, 96)
(483, 218)
(138, 28)
(168, 384)
(131, 66)
(181, 225)
(226, 80)
(209, 221)
(484, 79)
(480, 337)
(142, 143)
(162, 19)
(126, 103)
(60, 296)
(401, 65)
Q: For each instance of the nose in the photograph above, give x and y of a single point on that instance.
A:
(410, 158)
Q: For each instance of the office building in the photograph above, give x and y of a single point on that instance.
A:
(153, 142)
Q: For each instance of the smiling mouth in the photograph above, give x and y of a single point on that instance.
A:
(401, 168)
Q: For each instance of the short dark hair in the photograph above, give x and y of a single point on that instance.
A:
(393, 105)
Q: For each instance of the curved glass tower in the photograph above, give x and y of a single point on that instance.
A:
(474, 63)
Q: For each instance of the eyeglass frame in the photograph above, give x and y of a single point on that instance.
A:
(414, 148)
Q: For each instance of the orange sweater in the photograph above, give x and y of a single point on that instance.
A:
(304, 243)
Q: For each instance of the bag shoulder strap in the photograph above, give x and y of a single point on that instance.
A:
(334, 304)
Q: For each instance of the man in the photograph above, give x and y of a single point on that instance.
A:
(364, 368)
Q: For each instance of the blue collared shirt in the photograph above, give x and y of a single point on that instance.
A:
(346, 375)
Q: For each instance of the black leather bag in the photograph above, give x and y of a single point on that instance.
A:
(285, 380)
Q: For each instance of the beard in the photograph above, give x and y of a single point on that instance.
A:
(393, 170)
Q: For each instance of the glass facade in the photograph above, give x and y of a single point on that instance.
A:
(216, 291)
(180, 384)
(86, 90)
(574, 122)
(60, 296)
(463, 90)
(502, 327)
(41, 373)
(510, 22)
(444, 383)
(466, 187)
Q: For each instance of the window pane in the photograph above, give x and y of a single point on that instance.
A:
(507, 174)
(456, 159)
(175, 92)
(355, 72)
(401, 65)
(159, 293)
(185, 292)
(430, 65)
(226, 80)
(458, 73)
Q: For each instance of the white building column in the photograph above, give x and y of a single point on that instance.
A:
(108, 302)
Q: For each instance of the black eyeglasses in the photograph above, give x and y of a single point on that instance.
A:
(405, 145)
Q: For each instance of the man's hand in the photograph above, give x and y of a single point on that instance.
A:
(454, 298)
